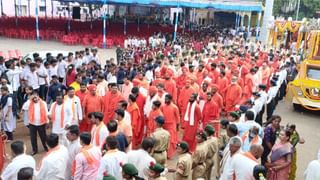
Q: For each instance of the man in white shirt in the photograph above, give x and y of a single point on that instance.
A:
(20, 160)
(37, 112)
(54, 165)
(62, 68)
(257, 107)
(53, 69)
(99, 131)
(112, 160)
(13, 75)
(312, 172)
(272, 93)
(123, 105)
(74, 147)
(43, 78)
(60, 115)
(141, 158)
(32, 77)
(73, 102)
(249, 122)
(152, 96)
(234, 148)
(242, 164)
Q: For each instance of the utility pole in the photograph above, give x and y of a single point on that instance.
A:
(297, 15)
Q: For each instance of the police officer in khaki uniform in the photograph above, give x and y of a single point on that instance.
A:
(184, 163)
(213, 148)
(154, 171)
(162, 139)
(199, 156)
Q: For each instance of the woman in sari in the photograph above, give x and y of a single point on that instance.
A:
(270, 136)
(280, 160)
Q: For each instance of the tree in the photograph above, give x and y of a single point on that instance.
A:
(288, 8)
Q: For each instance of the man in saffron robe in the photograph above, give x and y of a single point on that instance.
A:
(183, 99)
(136, 121)
(91, 103)
(194, 84)
(222, 84)
(265, 70)
(233, 95)
(192, 119)
(155, 112)
(170, 85)
(216, 97)
(181, 80)
(158, 79)
(82, 92)
(141, 101)
(211, 113)
(171, 124)
(203, 94)
(248, 85)
(111, 100)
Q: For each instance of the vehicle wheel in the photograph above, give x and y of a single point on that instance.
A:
(297, 107)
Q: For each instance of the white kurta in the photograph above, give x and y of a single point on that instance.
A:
(313, 170)
(56, 125)
(77, 111)
(103, 134)
(141, 159)
(73, 149)
(17, 163)
(37, 115)
(242, 166)
(110, 163)
(127, 117)
(54, 165)
(148, 105)
(8, 123)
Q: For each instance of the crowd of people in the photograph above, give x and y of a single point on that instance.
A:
(206, 100)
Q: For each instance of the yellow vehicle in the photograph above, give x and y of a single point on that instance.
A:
(304, 90)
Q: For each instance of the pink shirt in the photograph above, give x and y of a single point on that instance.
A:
(85, 170)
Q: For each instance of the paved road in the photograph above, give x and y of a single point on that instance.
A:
(308, 123)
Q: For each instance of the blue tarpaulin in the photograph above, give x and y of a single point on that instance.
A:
(236, 5)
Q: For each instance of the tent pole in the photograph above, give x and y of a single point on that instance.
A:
(45, 13)
(29, 8)
(125, 25)
(51, 8)
(37, 21)
(176, 25)
(69, 18)
(15, 12)
(104, 27)
(1, 8)
(20, 9)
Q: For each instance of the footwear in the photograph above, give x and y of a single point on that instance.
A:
(34, 153)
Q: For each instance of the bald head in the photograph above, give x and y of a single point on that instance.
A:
(256, 150)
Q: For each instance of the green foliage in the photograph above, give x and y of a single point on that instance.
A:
(308, 8)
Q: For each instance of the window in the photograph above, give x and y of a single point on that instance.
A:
(42, 8)
(313, 72)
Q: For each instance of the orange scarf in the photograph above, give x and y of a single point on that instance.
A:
(97, 135)
(90, 160)
(53, 114)
(255, 140)
(250, 156)
(43, 112)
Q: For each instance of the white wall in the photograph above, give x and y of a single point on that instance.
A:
(9, 8)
